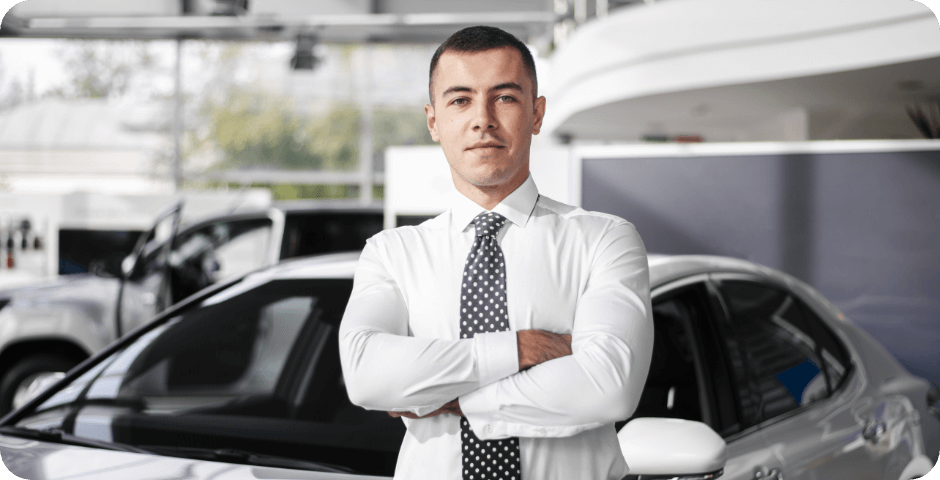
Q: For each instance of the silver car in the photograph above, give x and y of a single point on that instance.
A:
(754, 375)
(49, 328)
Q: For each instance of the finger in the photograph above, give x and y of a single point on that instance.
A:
(394, 414)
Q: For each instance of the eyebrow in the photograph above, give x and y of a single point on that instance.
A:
(501, 86)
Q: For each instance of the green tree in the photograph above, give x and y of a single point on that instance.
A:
(104, 68)
(255, 129)
(399, 126)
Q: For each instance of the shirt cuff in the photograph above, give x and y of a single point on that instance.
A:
(497, 355)
(481, 408)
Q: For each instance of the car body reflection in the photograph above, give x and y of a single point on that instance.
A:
(245, 376)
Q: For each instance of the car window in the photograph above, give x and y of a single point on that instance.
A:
(254, 367)
(737, 398)
(676, 385)
(833, 353)
(152, 251)
(218, 251)
(241, 247)
(780, 355)
(309, 233)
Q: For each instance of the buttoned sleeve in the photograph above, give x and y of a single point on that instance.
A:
(387, 369)
(601, 381)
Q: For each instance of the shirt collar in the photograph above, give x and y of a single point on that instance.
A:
(517, 207)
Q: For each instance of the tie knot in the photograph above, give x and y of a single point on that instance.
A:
(488, 223)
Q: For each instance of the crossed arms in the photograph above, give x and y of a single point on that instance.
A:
(535, 347)
(486, 378)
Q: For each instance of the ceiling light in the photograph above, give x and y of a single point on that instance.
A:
(304, 58)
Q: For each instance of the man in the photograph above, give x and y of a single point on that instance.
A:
(512, 331)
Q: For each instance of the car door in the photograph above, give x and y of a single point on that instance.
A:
(218, 251)
(692, 375)
(145, 284)
(807, 394)
(200, 256)
(253, 367)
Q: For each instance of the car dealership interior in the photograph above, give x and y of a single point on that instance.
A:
(161, 161)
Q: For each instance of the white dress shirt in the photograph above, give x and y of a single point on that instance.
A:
(567, 271)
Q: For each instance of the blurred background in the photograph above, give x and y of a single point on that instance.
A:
(801, 135)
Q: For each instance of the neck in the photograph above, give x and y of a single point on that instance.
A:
(488, 196)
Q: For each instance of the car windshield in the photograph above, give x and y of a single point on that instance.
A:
(253, 367)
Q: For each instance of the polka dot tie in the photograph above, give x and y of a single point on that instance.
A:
(483, 309)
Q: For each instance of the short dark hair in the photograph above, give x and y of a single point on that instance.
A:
(479, 39)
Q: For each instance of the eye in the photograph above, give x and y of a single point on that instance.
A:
(459, 101)
(506, 98)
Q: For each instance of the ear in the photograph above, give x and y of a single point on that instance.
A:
(539, 113)
(432, 122)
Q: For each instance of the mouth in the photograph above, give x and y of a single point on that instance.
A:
(485, 145)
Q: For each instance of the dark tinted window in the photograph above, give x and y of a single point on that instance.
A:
(253, 368)
(828, 347)
(675, 387)
(322, 232)
(779, 352)
(78, 248)
(741, 395)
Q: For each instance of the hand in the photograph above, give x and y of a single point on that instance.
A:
(539, 346)
(452, 407)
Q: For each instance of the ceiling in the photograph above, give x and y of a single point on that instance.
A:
(335, 21)
(740, 70)
(835, 104)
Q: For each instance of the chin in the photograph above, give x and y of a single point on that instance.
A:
(490, 179)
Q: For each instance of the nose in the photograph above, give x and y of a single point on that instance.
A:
(484, 118)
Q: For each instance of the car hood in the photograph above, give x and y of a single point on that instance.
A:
(38, 460)
(62, 285)
(87, 292)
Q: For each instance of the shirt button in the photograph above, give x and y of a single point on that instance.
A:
(488, 429)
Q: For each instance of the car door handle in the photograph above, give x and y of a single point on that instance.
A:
(873, 431)
(773, 474)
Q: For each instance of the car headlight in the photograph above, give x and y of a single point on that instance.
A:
(933, 401)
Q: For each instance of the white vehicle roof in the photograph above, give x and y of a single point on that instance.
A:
(663, 268)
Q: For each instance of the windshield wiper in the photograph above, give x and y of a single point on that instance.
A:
(232, 455)
(57, 435)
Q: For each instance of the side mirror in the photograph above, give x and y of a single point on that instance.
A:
(109, 266)
(667, 448)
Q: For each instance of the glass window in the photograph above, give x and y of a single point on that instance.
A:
(741, 396)
(833, 353)
(675, 385)
(780, 354)
(309, 233)
(217, 252)
(254, 367)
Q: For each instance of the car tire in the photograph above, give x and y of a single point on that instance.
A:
(24, 370)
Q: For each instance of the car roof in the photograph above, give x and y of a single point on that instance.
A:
(663, 268)
(293, 208)
(341, 205)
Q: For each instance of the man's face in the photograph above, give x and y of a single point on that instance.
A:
(484, 115)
